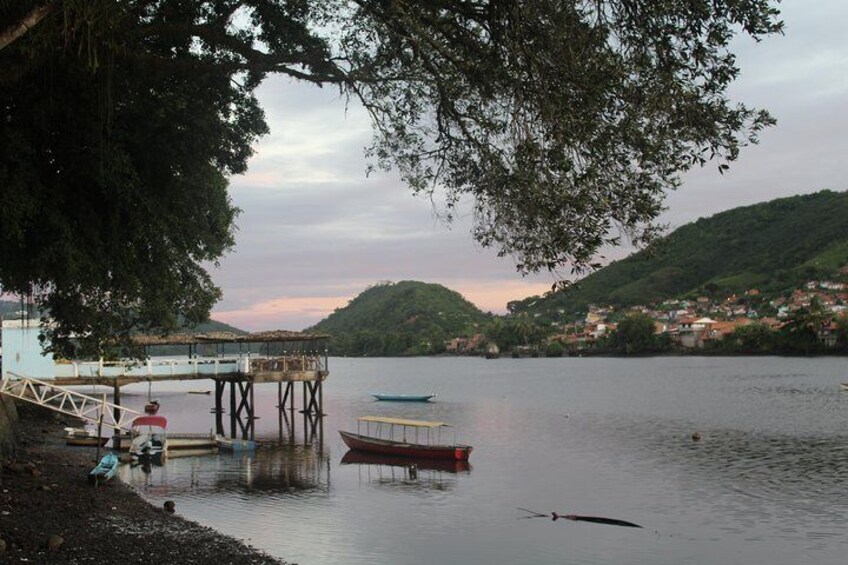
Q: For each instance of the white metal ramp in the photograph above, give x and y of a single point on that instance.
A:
(67, 401)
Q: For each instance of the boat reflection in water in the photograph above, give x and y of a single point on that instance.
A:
(287, 470)
(406, 472)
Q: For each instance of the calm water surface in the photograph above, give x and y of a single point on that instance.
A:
(605, 437)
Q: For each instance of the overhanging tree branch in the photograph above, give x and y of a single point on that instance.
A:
(15, 31)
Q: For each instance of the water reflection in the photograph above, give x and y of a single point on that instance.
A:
(409, 473)
(271, 469)
(597, 437)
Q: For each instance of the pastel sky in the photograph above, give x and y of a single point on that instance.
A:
(315, 231)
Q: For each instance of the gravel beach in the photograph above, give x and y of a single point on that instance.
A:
(50, 514)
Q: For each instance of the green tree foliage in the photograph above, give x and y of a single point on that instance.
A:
(767, 246)
(751, 338)
(513, 331)
(800, 334)
(554, 349)
(122, 121)
(842, 333)
(634, 335)
(404, 318)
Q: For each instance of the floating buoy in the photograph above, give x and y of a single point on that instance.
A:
(696, 436)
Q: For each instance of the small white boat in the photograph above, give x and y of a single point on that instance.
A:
(844, 386)
(149, 439)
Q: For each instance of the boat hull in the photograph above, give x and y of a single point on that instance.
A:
(105, 469)
(89, 441)
(356, 457)
(84, 437)
(402, 397)
(235, 444)
(389, 447)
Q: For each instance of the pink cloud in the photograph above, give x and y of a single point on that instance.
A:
(289, 313)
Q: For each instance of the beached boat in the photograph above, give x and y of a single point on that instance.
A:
(149, 439)
(105, 469)
(84, 437)
(411, 443)
(391, 397)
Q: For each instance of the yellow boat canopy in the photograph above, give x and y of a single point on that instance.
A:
(403, 422)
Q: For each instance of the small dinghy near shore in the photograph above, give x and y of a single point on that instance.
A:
(105, 469)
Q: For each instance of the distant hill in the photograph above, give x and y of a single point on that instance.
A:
(773, 246)
(404, 318)
(211, 326)
(10, 310)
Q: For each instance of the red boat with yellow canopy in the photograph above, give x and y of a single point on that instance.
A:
(406, 438)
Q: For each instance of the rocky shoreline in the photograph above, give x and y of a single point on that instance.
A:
(50, 514)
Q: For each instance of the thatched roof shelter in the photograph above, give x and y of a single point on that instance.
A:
(275, 336)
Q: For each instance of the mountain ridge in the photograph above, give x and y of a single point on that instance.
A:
(771, 246)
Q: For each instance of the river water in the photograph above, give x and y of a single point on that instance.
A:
(589, 436)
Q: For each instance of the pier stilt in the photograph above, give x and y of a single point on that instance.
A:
(220, 386)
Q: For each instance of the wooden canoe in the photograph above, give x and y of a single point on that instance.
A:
(84, 438)
(403, 449)
(402, 397)
(105, 469)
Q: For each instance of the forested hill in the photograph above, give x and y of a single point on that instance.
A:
(773, 246)
(404, 318)
(11, 309)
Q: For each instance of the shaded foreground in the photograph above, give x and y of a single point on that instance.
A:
(50, 514)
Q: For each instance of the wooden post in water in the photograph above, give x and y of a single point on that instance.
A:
(232, 409)
(220, 385)
(321, 403)
(250, 413)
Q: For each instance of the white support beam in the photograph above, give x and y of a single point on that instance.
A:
(67, 401)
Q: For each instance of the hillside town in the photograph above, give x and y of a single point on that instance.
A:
(698, 324)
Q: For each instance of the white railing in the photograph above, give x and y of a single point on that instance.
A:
(154, 367)
(67, 401)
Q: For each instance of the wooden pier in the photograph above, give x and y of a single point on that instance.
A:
(237, 362)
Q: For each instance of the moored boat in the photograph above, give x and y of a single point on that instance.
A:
(391, 397)
(152, 407)
(149, 439)
(385, 443)
(234, 444)
(105, 469)
(83, 437)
